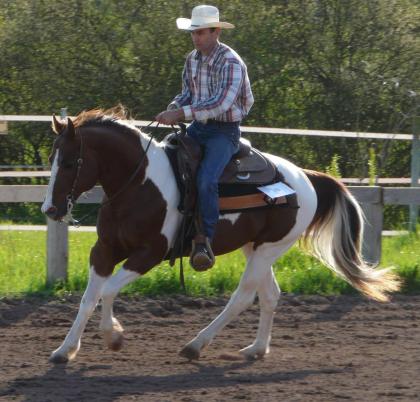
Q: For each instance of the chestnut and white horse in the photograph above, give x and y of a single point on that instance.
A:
(139, 219)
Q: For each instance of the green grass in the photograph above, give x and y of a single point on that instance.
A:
(22, 262)
(403, 253)
(23, 254)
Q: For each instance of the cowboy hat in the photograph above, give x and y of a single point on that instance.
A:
(202, 17)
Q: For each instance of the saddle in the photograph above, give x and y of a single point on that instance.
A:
(247, 170)
(248, 166)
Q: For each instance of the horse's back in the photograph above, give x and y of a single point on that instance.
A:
(296, 178)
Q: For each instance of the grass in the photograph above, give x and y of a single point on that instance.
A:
(23, 254)
(403, 252)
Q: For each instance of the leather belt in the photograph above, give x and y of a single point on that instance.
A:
(222, 123)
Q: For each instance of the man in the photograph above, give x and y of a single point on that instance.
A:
(216, 95)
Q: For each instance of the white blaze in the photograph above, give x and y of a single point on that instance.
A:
(48, 197)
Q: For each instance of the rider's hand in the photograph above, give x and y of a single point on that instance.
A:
(170, 117)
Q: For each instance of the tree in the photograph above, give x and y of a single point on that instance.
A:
(325, 64)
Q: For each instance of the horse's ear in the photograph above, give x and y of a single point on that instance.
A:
(70, 128)
(57, 126)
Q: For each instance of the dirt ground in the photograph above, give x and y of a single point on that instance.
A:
(323, 349)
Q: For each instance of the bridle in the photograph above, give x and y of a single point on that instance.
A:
(71, 199)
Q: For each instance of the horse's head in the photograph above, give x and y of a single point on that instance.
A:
(73, 171)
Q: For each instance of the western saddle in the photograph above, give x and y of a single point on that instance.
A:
(247, 170)
(238, 184)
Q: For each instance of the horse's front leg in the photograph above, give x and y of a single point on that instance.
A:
(71, 345)
(138, 263)
(110, 327)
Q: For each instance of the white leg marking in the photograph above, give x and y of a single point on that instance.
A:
(268, 295)
(71, 345)
(256, 269)
(48, 197)
(258, 276)
(109, 325)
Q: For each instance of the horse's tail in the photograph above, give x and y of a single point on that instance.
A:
(334, 236)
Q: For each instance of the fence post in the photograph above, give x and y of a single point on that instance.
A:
(57, 243)
(372, 241)
(57, 251)
(415, 170)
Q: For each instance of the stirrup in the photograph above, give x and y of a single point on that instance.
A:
(202, 257)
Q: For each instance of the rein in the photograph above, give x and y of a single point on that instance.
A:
(71, 200)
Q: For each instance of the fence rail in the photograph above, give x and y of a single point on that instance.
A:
(248, 129)
(371, 199)
(346, 180)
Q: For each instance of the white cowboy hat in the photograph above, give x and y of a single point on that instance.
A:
(202, 17)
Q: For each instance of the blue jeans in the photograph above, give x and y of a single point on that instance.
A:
(219, 141)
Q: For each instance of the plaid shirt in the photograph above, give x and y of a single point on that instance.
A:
(215, 87)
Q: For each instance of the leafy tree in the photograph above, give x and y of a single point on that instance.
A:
(321, 64)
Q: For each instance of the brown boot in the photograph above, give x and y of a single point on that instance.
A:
(202, 257)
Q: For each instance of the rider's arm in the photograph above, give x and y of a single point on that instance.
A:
(184, 98)
(229, 89)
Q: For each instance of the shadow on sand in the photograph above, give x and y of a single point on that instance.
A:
(14, 310)
(60, 383)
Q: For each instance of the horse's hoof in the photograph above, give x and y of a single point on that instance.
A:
(113, 339)
(58, 359)
(253, 353)
(116, 341)
(190, 353)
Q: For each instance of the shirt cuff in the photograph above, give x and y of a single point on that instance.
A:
(189, 115)
(172, 106)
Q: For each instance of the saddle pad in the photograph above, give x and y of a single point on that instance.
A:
(248, 201)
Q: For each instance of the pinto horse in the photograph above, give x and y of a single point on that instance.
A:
(138, 223)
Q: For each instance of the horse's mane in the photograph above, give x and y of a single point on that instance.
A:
(95, 116)
(116, 117)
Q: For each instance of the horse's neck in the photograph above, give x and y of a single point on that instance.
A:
(120, 156)
(117, 156)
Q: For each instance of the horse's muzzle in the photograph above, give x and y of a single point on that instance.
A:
(51, 212)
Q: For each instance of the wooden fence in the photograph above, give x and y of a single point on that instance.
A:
(414, 138)
(372, 200)
(346, 180)
(244, 129)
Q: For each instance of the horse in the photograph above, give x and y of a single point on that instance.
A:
(138, 221)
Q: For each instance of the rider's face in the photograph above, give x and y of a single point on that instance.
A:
(205, 39)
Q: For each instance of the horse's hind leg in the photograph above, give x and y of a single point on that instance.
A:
(71, 345)
(111, 328)
(268, 295)
(257, 268)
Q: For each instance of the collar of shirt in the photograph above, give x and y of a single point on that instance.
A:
(209, 59)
